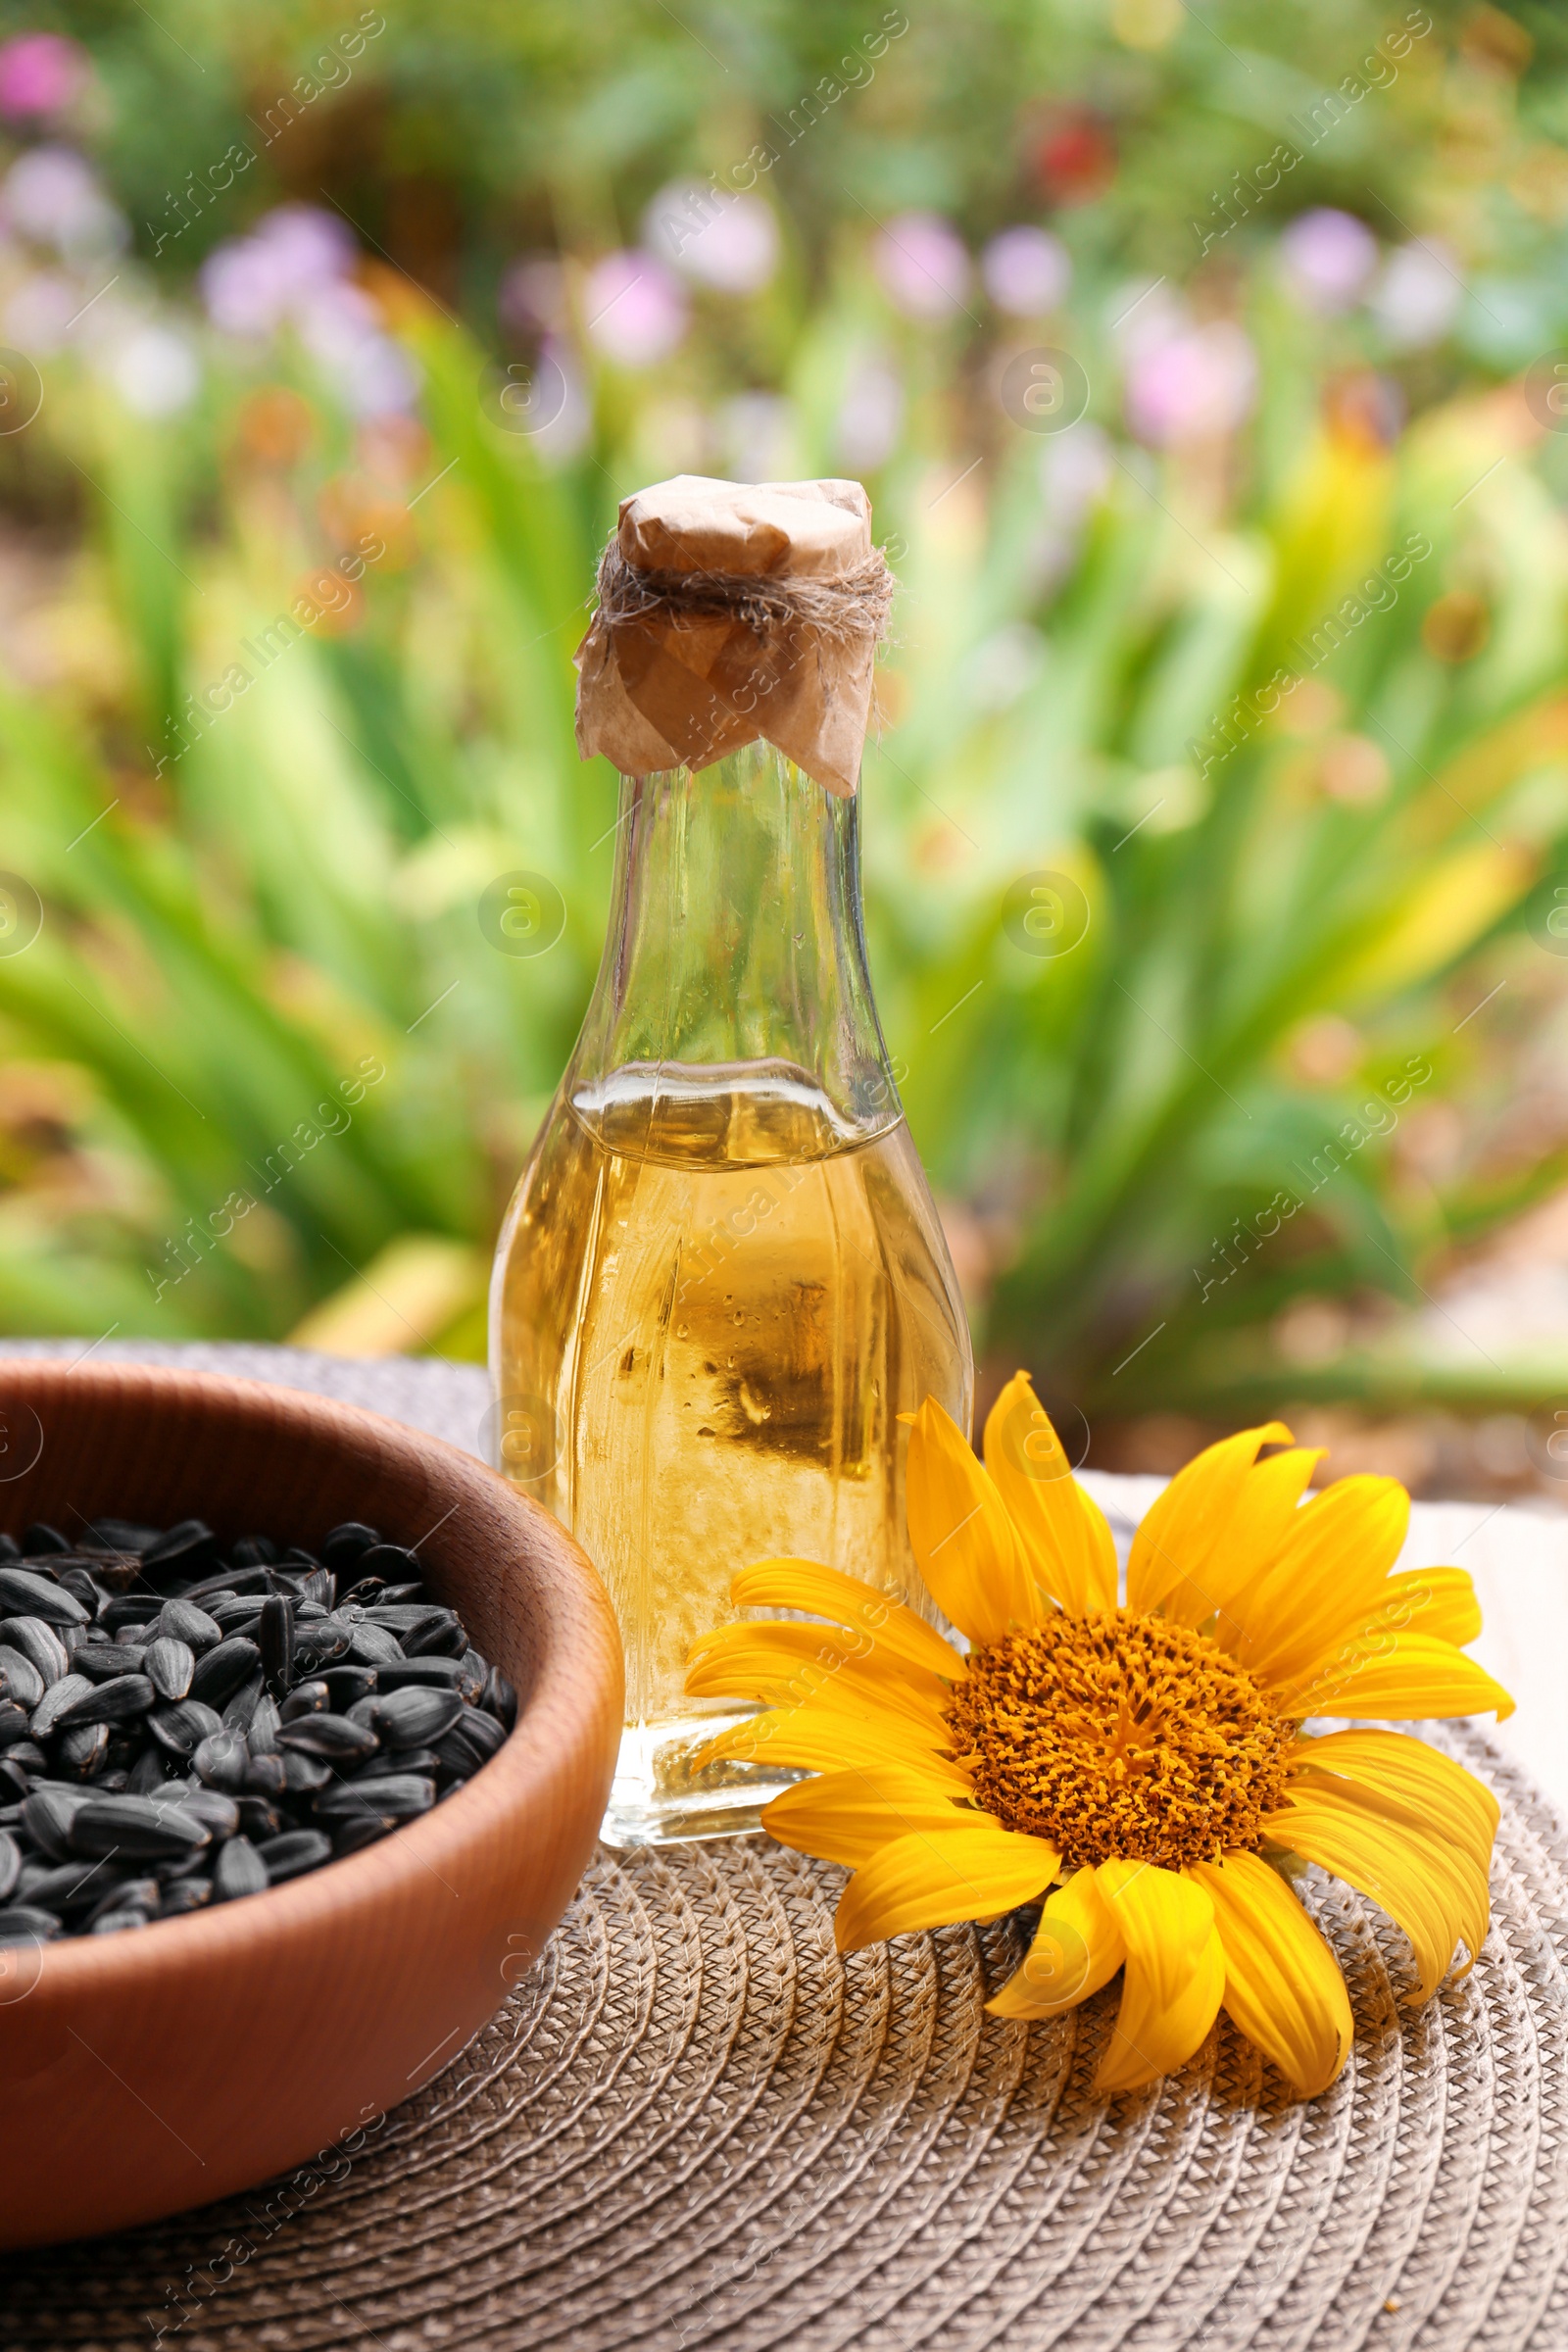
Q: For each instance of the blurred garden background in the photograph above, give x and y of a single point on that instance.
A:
(1209, 370)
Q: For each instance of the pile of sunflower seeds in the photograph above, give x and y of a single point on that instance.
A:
(180, 1725)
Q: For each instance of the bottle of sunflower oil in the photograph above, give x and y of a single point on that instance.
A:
(721, 1278)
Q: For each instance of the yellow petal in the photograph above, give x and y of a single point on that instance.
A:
(1401, 1676)
(1283, 1985)
(1260, 1523)
(1183, 1526)
(1077, 1947)
(848, 1816)
(933, 1878)
(1440, 1601)
(1071, 1551)
(963, 1541)
(1425, 1887)
(818, 1591)
(778, 1663)
(1175, 1974)
(819, 1737)
(1434, 1789)
(1428, 1794)
(1330, 1569)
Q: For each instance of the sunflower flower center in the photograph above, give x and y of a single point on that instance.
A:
(1120, 1737)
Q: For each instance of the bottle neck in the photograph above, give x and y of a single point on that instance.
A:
(733, 1018)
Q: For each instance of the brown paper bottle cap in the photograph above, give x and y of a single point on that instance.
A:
(732, 613)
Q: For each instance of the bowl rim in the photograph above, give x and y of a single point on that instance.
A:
(577, 1642)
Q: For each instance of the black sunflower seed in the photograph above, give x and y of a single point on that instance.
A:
(150, 1770)
(103, 1661)
(241, 1613)
(374, 1646)
(122, 1535)
(211, 1805)
(47, 1815)
(23, 1925)
(263, 1726)
(132, 1612)
(24, 1593)
(303, 1775)
(398, 1796)
(264, 1776)
(349, 1684)
(114, 1923)
(259, 1817)
(443, 1636)
(254, 1551)
(84, 1586)
(413, 1718)
(306, 1699)
(185, 1548)
(403, 1759)
(295, 1851)
(169, 1666)
(55, 1701)
(142, 1827)
(275, 1636)
(223, 1761)
(138, 1893)
(38, 1641)
(15, 1723)
(239, 1870)
(319, 1587)
(9, 1863)
(220, 1674)
(346, 1544)
(471, 1742)
(184, 1621)
(500, 1699)
(41, 1539)
(240, 1710)
(347, 1837)
(105, 1703)
(83, 1750)
(425, 1674)
(183, 1727)
(335, 1736)
(19, 1679)
(187, 1895)
(62, 1887)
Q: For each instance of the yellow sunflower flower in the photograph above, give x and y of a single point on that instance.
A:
(1142, 1766)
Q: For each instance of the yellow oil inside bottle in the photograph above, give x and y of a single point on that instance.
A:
(714, 1299)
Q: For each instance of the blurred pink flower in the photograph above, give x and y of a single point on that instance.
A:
(1327, 258)
(923, 265)
(634, 309)
(1026, 271)
(724, 240)
(1200, 382)
(52, 196)
(39, 74)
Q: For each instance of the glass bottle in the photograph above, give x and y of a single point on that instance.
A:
(721, 1277)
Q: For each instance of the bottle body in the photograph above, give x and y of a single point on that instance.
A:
(722, 1279)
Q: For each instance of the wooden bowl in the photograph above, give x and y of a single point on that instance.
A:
(144, 2073)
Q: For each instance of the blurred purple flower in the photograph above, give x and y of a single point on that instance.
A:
(869, 416)
(1417, 297)
(635, 309)
(1200, 382)
(250, 284)
(39, 74)
(533, 294)
(1026, 271)
(1327, 258)
(53, 197)
(923, 265)
(724, 240)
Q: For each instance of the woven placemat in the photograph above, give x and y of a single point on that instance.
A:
(693, 2125)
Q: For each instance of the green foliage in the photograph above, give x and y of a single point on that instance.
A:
(262, 978)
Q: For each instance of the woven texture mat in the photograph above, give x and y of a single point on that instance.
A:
(692, 2125)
